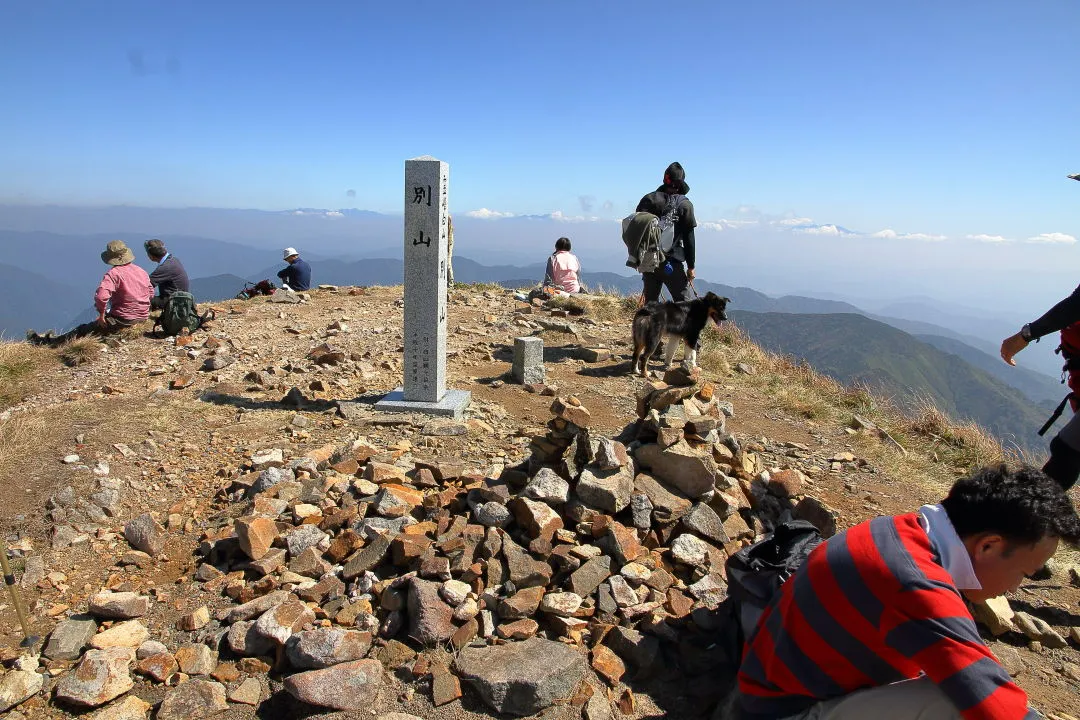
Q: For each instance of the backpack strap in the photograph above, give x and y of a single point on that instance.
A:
(1056, 414)
(672, 210)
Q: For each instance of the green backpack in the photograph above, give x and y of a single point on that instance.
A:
(179, 313)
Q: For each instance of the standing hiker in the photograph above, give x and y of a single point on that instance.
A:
(669, 203)
(1064, 462)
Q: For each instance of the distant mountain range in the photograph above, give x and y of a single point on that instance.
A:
(49, 284)
(856, 349)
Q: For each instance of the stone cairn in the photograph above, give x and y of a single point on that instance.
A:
(344, 561)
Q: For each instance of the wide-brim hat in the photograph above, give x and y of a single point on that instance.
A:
(288, 253)
(117, 253)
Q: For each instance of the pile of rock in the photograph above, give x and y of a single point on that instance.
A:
(352, 558)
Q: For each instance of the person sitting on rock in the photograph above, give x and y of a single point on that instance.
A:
(874, 624)
(122, 299)
(297, 276)
(563, 268)
(169, 275)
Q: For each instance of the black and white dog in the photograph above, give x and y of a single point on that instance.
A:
(674, 321)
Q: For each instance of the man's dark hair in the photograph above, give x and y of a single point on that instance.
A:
(1023, 505)
(155, 248)
(562, 243)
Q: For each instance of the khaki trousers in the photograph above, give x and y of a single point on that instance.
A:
(918, 699)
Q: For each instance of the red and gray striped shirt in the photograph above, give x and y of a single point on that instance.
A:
(870, 607)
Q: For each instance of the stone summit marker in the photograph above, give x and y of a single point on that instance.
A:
(427, 182)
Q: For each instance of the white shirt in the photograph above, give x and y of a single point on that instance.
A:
(949, 547)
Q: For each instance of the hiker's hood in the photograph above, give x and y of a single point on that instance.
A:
(681, 189)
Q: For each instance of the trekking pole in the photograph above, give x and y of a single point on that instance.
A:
(693, 288)
(9, 580)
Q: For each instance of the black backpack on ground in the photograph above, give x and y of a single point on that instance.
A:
(754, 576)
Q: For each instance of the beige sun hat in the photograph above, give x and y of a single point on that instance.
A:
(117, 253)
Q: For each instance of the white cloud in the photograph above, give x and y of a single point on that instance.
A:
(715, 226)
(485, 214)
(1054, 237)
(560, 216)
(890, 234)
(790, 222)
(335, 213)
(826, 230)
(989, 238)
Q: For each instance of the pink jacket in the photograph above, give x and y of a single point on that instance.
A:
(126, 291)
(563, 268)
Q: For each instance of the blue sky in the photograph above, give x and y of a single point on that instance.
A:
(925, 119)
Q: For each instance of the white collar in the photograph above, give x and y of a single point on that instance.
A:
(949, 547)
(167, 256)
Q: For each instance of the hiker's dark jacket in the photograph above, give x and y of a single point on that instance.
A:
(685, 248)
(168, 277)
(1059, 317)
(297, 276)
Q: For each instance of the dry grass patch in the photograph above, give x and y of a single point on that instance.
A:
(937, 446)
(20, 365)
(79, 351)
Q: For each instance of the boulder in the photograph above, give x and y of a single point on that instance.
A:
(18, 686)
(129, 708)
(346, 686)
(99, 677)
(193, 700)
(996, 615)
(144, 534)
(547, 486)
(522, 678)
(256, 535)
(119, 605)
(692, 472)
(67, 640)
(607, 490)
(324, 647)
(431, 619)
(130, 634)
(282, 621)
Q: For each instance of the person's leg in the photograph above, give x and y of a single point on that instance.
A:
(1064, 463)
(677, 283)
(917, 699)
(157, 302)
(653, 282)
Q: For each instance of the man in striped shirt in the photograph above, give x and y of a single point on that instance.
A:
(874, 624)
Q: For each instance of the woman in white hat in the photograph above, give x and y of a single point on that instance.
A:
(122, 299)
(297, 276)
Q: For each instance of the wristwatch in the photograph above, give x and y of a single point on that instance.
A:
(1025, 332)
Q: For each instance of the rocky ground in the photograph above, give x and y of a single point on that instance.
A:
(222, 526)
